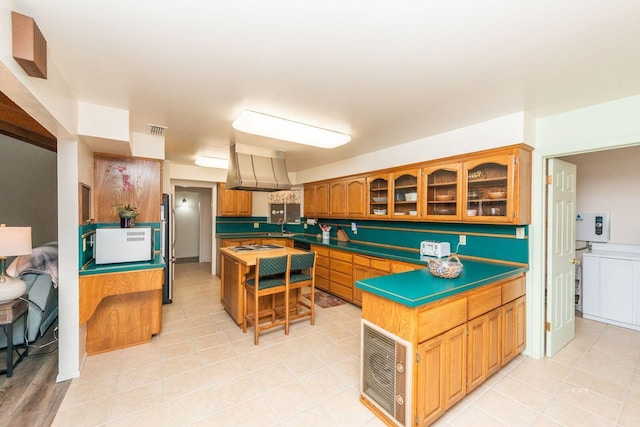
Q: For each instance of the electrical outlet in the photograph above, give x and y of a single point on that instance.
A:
(463, 240)
(256, 225)
(305, 225)
(519, 232)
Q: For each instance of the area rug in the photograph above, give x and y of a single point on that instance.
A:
(325, 300)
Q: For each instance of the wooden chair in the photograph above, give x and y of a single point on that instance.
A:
(302, 274)
(271, 277)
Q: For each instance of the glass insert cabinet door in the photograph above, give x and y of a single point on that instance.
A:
(406, 188)
(442, 191)
(379, 196)
(488, 186)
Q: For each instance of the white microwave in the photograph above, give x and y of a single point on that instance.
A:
(114, 245)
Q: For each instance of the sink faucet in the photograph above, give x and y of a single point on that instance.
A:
(283, 228)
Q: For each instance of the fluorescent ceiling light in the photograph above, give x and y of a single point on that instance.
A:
(212, 162)
(278, 128)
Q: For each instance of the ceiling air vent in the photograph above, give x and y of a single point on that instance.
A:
(156, 129)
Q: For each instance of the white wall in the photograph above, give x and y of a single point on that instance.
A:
(499, 132)
(608, 182)
(187, 223)
(28, 190)
(53, 105)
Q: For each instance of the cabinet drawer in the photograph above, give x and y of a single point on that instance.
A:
(360, 260)
(320, 250)
(436, 320)
(344, 256)
(322, 272)
(380, 264)
(401, 267)
(482, 301)
(344, 292)
(513, 289)
(322, 261)
(341, 266)
(344, 279)
(322, 283)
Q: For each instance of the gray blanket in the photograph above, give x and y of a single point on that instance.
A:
(43, 260)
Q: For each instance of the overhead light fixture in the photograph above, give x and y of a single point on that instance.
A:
(287, 130)
(212, 162)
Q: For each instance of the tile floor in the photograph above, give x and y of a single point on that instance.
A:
(202, 370)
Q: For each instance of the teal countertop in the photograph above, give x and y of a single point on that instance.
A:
(413, 288)
(93, 268)
(409, 255)
(419, 287)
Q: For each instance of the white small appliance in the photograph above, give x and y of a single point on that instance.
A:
(114, 245)
(434, 249)
(593, 227)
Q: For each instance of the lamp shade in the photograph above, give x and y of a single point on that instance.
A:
(15, 240)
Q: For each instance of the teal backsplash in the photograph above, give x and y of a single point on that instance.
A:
(484, 241)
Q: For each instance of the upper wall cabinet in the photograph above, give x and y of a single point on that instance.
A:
(378, 192)
(497, 188)
(125, 181)
(493, 186)
(405, 189)
(442, 192)
(316, 199)
(234, 202)
(356, 197)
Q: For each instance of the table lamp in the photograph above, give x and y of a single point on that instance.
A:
(13, 241)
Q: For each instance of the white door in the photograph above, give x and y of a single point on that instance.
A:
(561, 251)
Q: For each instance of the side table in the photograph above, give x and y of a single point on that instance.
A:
(10, 312)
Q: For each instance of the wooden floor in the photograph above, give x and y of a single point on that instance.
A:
(31, 397)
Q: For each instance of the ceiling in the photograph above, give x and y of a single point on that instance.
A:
(385, 72)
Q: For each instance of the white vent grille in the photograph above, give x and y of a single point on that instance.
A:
(386, 373)
(156, 129)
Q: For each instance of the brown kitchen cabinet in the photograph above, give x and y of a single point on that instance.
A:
(322, 266)
(341, 274)
(442, 195)
(316, 200)
(406, 187)
(497, 187)
(491, 187)
(234, 202)
(441, 373)
(356, 198)
(378, 192)
(460, 341)
(338, 199)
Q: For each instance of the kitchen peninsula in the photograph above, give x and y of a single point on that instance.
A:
(455, 333)
(237, 263)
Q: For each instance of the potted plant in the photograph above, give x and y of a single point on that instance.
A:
(127, 215)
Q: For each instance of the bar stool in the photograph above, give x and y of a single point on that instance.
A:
(271, 277)
(302, 273)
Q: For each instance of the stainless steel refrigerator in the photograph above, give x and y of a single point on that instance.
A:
(166, 246)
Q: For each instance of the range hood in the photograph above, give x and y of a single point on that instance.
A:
(256, 169)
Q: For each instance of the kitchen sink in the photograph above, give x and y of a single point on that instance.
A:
(279, 235)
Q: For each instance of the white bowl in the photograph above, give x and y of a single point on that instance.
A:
(413, 213)
(472, 212)
(411, 197)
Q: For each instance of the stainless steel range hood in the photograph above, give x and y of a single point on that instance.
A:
(256, 169)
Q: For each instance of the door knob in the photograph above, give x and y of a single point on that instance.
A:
(575, 261)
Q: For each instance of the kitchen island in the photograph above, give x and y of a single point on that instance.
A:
(236, 265)
(458, 333)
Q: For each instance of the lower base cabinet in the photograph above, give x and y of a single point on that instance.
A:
(459, 342)
(441, 373)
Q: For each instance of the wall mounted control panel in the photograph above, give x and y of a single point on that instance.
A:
(593, 227)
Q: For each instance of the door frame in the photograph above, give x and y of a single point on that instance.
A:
(536, 278)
